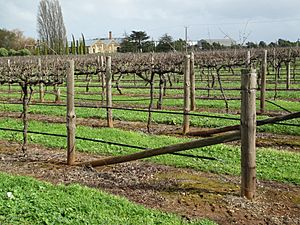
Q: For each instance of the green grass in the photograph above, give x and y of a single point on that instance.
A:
(171, 92)
(36, 202)
(201, 103)
(271, 164)
(157, 118)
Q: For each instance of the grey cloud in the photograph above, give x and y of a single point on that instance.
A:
(94, 17)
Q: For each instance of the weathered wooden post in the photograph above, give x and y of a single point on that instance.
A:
(263, 82)
(101, 76)
(102, 79)
(109, 92)
(288, 72)
(248, 59)
(71, 116)
(57, 93)
(161, 91)
(186, 110)
(248, 133)
(9, 84)
(192, 81)
(288, 75)
(274, 60)
(41, 85)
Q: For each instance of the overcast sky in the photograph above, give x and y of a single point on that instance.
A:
(257, 20)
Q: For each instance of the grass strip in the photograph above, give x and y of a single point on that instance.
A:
(156, 117)
(271, 164)
(24, 200)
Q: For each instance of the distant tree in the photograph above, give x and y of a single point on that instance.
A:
(23, 52)
(272, 44)
(83, 44)
(148, 46)
(7, 39)
(137, 41)
(14, 39)
(126, 45)
(262, 44)
(236, 46)
(165, 44)
(251, 45)
(67, 49)
(139, 38)
(179, 45)
(3, 52)
(217, 46)
(50, 25)
(12, 52)
(205, 45)
(285, 43)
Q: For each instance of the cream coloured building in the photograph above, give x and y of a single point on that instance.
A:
(103, 45)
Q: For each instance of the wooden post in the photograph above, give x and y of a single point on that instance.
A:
(57, 93)
(9, 84)
(248, 133)
(25, 102)
(186, 121)
(161, 91)
(288, 75)
(192, 81)
(263, 82)
(101, 76)
(102, 80)
(41, 85)
(71, 116)
(109, 92)
(288, 72)
(248, 59)
(274, 60)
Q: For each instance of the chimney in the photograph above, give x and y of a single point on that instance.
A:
(109, 35)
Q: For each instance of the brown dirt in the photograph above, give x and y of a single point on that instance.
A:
(188, 193)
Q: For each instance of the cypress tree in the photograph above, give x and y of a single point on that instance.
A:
(83, 43)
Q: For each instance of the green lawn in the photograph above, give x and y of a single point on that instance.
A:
(24, 200)
(156, 117)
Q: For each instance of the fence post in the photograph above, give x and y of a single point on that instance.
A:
(288, 71)
(41, 85)
(186, 122)
(248, 133)
(102, 80)
(288, 75)
(248, 59)
(192, 81)
(161, 91)
(263, 82)
(71, 116)
(109, 92)
(57, 93)
(9, 84)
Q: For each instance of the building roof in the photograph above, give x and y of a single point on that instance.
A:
(90, 42)
(106, 41)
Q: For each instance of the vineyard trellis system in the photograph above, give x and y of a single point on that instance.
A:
(28, 72)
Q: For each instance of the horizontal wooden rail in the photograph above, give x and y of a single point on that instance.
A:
(165, 150)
